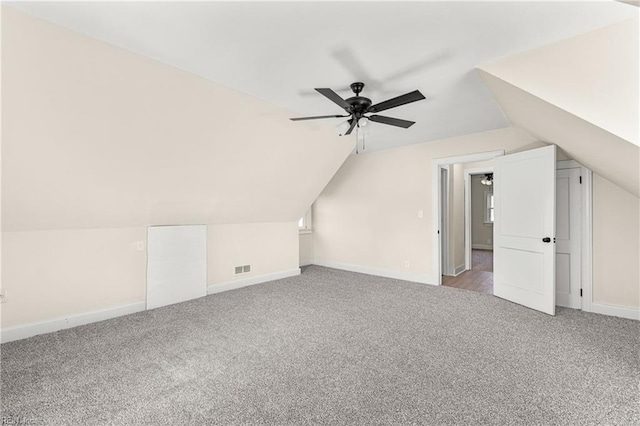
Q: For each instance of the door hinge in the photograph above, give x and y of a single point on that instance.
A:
(580, 292)
(580, 179)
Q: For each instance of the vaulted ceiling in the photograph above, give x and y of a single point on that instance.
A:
(279, 52)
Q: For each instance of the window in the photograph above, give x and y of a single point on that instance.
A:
(305, 224)
(488, 207)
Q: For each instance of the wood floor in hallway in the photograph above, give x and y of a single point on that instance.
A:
(479, 277)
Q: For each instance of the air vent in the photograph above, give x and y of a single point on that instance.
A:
(244, 269)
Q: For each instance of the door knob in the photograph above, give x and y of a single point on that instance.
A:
(546, 240)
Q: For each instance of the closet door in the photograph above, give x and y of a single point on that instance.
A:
(176, 264)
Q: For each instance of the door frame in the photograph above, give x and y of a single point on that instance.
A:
(586, 255)
(445, 204)
(436, 191)
(468, 246)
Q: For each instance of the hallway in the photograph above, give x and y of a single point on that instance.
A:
(479, 277)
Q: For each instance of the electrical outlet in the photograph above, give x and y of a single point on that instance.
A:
(3, 296)
(407, 265)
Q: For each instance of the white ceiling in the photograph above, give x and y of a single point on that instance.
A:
(280, 51)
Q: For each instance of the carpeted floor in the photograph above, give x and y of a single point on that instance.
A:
(331, 347)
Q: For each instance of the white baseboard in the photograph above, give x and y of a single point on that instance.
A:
(481, 246)
(29, 330)
(388, 273)
(458, 270)
(258, 279)
(616, 311)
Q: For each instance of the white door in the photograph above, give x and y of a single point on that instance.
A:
(568, 234)
(524, 228)
(176, 264)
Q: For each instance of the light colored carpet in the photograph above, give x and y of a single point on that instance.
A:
(331, 347)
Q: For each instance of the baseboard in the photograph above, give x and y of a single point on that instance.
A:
(387, 273)
(481, 247)
(616, 311)
(458, 270)
(258, 279)
(29, 330)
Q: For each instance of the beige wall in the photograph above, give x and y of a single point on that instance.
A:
(306, 249)
(97, 137)
(368, 214)
(481, 233)
(99, 143)
(50, 274)
(604, 153)
(616, 245)
(267, 247)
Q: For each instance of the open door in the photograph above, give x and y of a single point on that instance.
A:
(524, 228)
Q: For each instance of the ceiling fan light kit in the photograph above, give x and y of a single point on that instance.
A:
(357, 106)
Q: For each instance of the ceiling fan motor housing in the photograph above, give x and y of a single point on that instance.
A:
(358, 105)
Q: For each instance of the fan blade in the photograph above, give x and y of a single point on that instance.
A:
(333, 96)
(316, 117)
(353, 125)
(392, 121)
(395, 102)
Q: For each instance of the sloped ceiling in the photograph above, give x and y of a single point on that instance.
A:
(280, 51)
(581, 94)
(604, 153)
(94, 136)
(594, 76)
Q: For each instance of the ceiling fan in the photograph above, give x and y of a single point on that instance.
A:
(357, 106)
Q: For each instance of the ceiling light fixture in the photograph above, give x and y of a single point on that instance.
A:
(488, 179)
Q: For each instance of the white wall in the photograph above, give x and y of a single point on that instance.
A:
(99, 143)
(367, 216)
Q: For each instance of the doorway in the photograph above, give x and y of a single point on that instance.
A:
(473, 186)
(571, 245)
(451, 253)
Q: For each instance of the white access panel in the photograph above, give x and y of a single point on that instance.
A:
(176, 264)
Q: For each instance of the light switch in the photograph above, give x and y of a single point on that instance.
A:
(420, 214)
